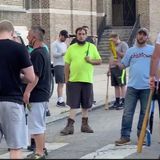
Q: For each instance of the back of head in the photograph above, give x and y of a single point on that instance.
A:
(6, 26)
(39, 32)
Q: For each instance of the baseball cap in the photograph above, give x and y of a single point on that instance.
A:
(144, 30)
(64, 33)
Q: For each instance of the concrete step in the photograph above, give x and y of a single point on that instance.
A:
(103, 46)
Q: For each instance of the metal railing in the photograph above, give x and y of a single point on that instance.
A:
(101, 28)
(134, 31)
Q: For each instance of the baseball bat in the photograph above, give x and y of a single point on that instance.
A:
(113, 49)
(106, 102)
(144, 125)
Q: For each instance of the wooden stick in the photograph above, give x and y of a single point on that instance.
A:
(106, 102)
(144, 125)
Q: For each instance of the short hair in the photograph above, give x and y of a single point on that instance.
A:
(85, 27)
(6, 25)
(38, 32)
(80, 29)
(114, 35)
(64, 33)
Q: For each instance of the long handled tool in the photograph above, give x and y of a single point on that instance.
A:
(150, 124)
(106, 101)
(151, 117)
(145, 122)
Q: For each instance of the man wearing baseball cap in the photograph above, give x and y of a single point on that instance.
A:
(143, 30)
(58, 50)
(137, 58)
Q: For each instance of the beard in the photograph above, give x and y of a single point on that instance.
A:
(141, 42)
(81, 42)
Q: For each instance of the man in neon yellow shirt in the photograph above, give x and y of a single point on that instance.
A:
(79, 60)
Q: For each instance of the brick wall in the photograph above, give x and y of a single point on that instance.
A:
(70, 14)
(143, 9)
(154, 19)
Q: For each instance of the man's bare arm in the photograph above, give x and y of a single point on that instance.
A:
(29, 89)
(154, 60)
(93, 61)
(27, 74)
(67, 72)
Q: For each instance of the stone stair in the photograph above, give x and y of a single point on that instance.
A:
(103, 45)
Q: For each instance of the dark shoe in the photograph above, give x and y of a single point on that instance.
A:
(62, 104)
(85, 127)
(123, 141)
(48, 113)
(69, 129)
(31, 148)
(114, 106)
(120, 106)
(45, 151)
(35, 156)
(94, 102)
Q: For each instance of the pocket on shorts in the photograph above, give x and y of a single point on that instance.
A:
(16, 113)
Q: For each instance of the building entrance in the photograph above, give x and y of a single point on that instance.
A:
(123, 12)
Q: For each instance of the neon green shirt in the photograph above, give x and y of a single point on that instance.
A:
(80, 70)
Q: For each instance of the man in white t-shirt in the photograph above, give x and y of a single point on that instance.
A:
(58, 49)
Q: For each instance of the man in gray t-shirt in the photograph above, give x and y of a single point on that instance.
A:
(58, 49)
(118, 76)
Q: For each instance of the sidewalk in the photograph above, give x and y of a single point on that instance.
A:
(99, 86)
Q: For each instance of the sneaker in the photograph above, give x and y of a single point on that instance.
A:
(62, 104)
(35, 156)
(114, 106)
(120, 106)
(123, 141)
(48, 113)
(32, 154)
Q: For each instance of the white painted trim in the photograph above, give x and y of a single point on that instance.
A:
(100, 14)
(12, 8)
(63, 11)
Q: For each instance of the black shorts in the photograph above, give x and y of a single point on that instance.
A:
(59, 74)
(79, 94)
(118, 77)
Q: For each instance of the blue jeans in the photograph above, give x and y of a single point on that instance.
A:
(132, 96)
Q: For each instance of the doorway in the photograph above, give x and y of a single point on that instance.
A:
(123, 12)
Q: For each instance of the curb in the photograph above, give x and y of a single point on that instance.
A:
(64, 114)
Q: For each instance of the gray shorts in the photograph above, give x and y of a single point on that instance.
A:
(59, 74)
(79, 94)
(13, 125)
(36, 118)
